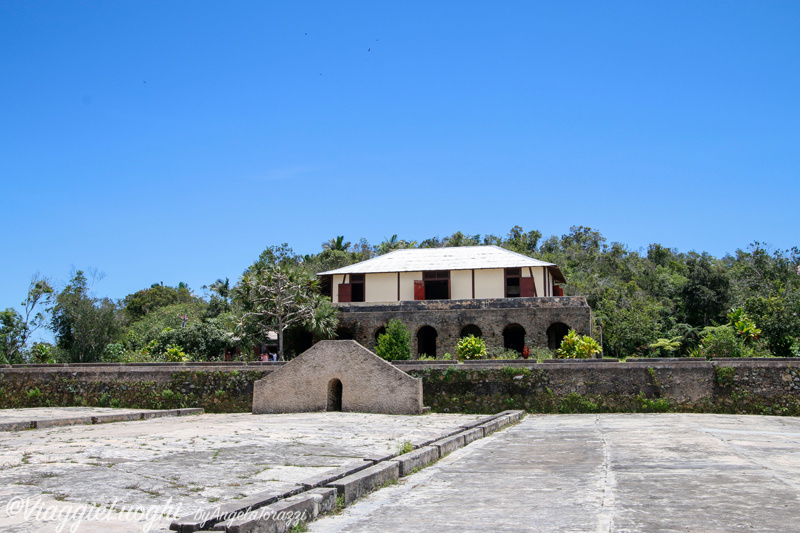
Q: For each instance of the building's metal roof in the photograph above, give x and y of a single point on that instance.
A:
(448, 258)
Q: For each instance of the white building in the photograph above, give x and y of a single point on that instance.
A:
(458, 273)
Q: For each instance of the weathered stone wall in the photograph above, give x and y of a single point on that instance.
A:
(449, 317)
(367, 383)
(216, 387)
(759, 386)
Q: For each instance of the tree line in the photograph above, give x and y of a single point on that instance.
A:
(658, 302)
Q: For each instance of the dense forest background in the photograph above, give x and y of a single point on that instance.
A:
(658, 302)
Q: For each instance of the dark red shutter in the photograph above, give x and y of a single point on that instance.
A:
(345, 293)
(527, 287)
(558, 291)
(419, 289)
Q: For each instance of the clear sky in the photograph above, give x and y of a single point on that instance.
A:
(173, 141)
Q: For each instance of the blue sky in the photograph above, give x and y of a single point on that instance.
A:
(173, 141)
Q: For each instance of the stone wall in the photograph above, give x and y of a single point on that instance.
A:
(756, 386)
(449, 317)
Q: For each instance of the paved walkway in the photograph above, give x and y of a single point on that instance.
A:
(622, 473)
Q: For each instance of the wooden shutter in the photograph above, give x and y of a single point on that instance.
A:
(345, 293)
(558, 291)
(527, 287)
(419, 289)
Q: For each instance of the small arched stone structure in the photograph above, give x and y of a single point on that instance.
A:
(332, 371)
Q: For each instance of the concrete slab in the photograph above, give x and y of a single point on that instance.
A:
(169, 468)
(621, 473)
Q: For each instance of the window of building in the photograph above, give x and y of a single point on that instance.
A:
(357, 287)
(513, 276)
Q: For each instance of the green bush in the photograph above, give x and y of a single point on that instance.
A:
(395, 344)
(471, 347)
(498, 352)
(575, 346)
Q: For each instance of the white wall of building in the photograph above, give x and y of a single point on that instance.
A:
(460, 284)
(407, 284)
(381, 287)
(490, 283)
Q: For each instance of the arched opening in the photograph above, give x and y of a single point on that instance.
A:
(380, 331)
(470, 329)
(555, 334)
(334, 395)
(514, 337)
(426, 341)
(344, 334)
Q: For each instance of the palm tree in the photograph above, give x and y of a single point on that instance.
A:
(336, 243)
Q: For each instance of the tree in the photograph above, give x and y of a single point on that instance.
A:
(337, 243)
(145, 301)
(632, 319)
(11, 334)
(521, 242)
(16, 329)
(390, 245)
(395, 343)
(83, 325)
(705, 297)
(276, 293)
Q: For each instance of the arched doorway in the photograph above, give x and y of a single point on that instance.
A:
(334, 395)
(426, 341)
(470, 329)
(514, 337)
(555, 334)
(345, 334)
(380, 331)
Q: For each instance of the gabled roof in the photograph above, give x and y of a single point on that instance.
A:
(447, 258)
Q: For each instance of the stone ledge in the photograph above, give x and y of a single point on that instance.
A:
(280, 517)
(416, 459)
(472, 435)
(327, 479)
(210, 517)
(449, 444)
(353, 487)
(97, 419)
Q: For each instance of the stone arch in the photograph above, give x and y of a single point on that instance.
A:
(426, 341)
(514, 337)
(555, 333)
(334, 395)
(380, 331)
(344, 333)
(470, 329)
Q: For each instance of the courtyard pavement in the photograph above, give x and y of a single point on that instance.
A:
(599, 473)
(553, 473)
(139, 475)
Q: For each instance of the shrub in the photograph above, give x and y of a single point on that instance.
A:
(395, 344)
(575, 346)
(498, 352)
(471, 347)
